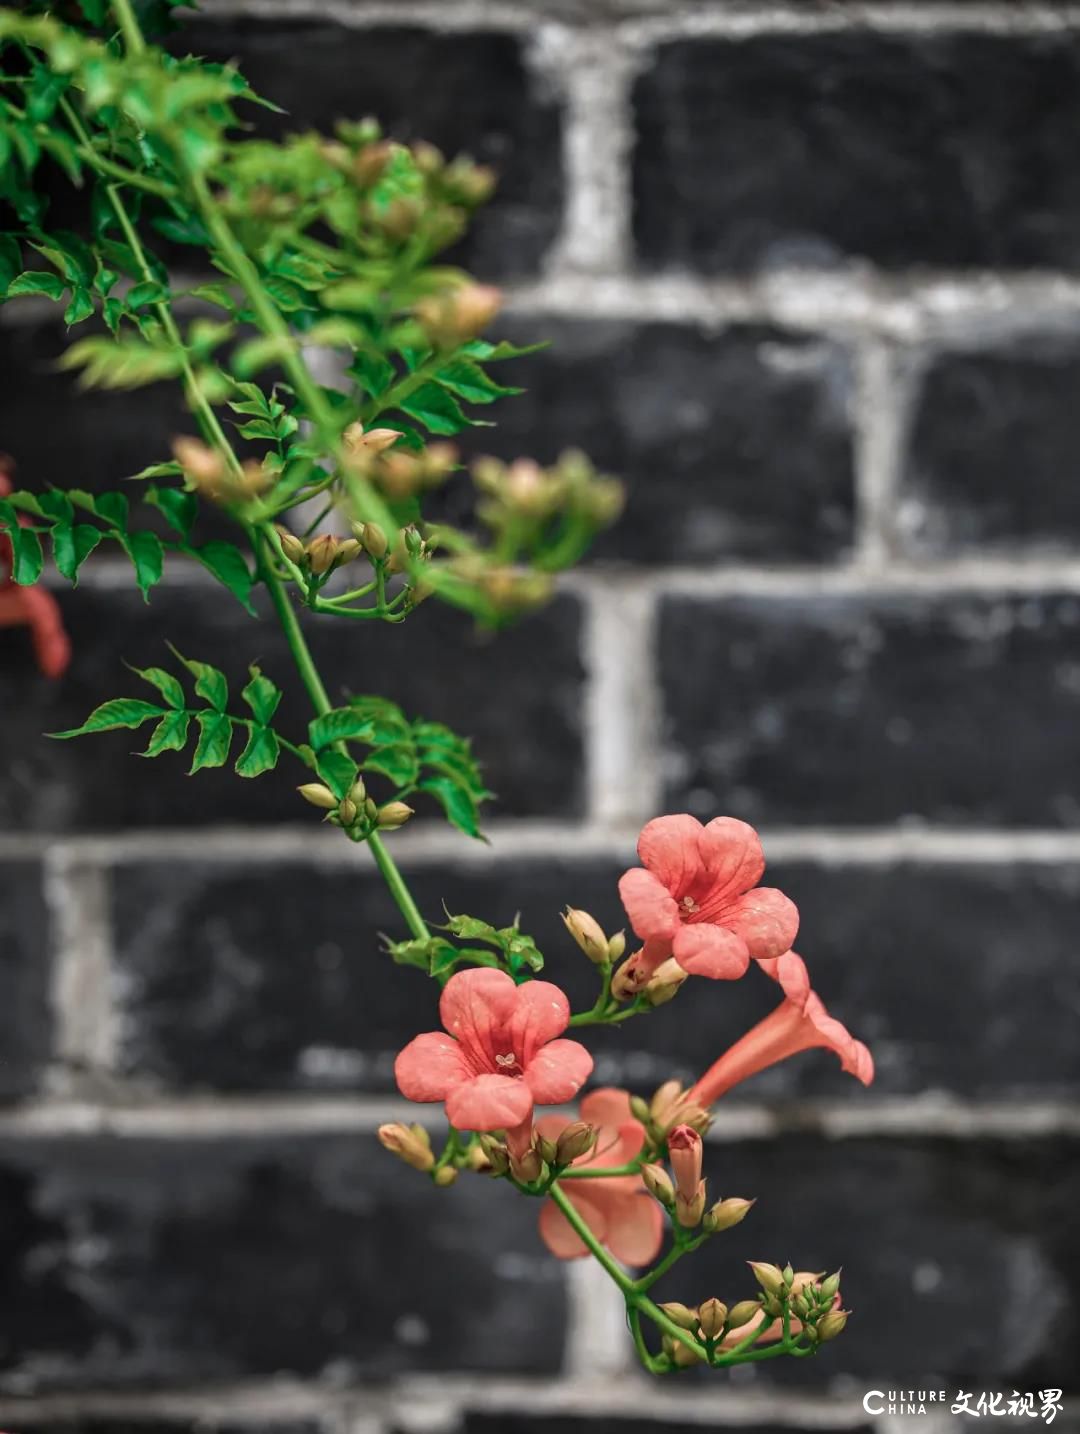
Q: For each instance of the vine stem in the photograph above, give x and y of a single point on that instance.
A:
(320, 700)
(129, 27)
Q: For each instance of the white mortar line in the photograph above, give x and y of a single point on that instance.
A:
(274, 1400)
(880, 415)
(934, 1116)
(622, 722)
(592, 72)
(76, 890)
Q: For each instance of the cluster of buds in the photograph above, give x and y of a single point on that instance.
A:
(455, 316)
(812, 1299)
(601, 950)
(507, 588)
(537, 1158)
(206, 472)
(356, 811)
(670, 1106)
(412, 1144)
(460, 181)
(319, 556)
(522, 489)
(397, 472)
(711, 1322)
(684, 1195)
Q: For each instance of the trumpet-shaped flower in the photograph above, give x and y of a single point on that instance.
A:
(500, 1055)
(799, 1023)
(696, 898)
(617, 1209)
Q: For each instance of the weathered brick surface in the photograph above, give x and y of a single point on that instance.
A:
(743, 451)
(905, 149)
(134, 1262)
(64, 786)
(468, 93)
(243, 976)
(25, 965)
(122, 1424)
(958, 709)
(993, 435)
(515, 1421)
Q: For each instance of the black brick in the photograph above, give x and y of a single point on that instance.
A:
(435, 665)
(960, 1259)
(244, 976)
(112, 1424)
(957, 709)
(143, 1262)
(25, 1014)
(467, 93)
(506, 1421)
(733, 444)
(993, 437)
(946, 149)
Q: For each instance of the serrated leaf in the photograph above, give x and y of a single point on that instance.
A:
(170, 734)
(418, 952)
(493, 353)
(80, 308)
(178, 508)
(166, 684)
(389, 722)
(257, 428)
(260, 754)
(343, 724)
(170, 469)
(215, 739)
(35, 282)
(210, 682)
(465, 378)
(398, 763)
(147, 558)
(27, 556)
(436, 409)
(338, 772)
(72, 545)
(119, 712)
(455, 801)
(113, 507)
(374, 373)
(262, 696)
(228, 565)
(471, 928)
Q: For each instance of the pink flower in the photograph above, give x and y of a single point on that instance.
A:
(618, 1210)
(697, 898)
(500, 1056)
(799, 1023)
(684, 1149)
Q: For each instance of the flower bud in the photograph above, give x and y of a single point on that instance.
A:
(742, 1313)
(291, 545)
(639, 1109)
(373, 539)
(788, 1273)
(685, 1151)
(688, 1212)
(575, 1141)
(588, 934)
(203, 466)
(458, 315)
(658, 1183)
(358, 792)
(371, 811)
(726, 1213)
(322, 553)
(769, 1277)
(367, 442)
(478, 1160)
(393, 815)
(681, 1315)
(408, 1143)
(712, 1316)
(318, 795)
(547, 1148)
(664, 1099)
(616, 946)
(663, 985)
(683, 1356)
(347, 812)
(527, 1167)
(832, 1324)
(445, 1175)
(831, 1286)
(497, 1154)
(369, 162)
(348, 550)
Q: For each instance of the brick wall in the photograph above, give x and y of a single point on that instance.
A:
(813, 275)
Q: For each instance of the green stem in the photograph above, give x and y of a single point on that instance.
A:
(673, 1256)
(320, 700)
(615, 1270)
(129, 27)
(593, 1172)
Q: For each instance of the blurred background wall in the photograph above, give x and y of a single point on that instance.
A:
(810, 275)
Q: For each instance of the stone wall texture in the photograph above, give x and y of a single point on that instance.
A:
(811, 272)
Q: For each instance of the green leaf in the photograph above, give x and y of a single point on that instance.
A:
(456, 802)
(166, 684)
(261, 753)
(148, 292)
(343, 724)
(170, 734)
(337, 771)
(33, 282)
(471, 928)
(28, 559)
(72, 545)
(399, 764)
(436, 409)
(210, 683)
(260, 353)
(226, 562)
(215, 739)
(178, 508)
(469, 381)
(419, 952)
(188, 230)
(10, 261)
(374, 373)
(81, 307)
(171, 469)
(113, 507)
(262, 696)
(493, 353)
(389, 722)
(257, 428)
(120, 712)
(147, 558)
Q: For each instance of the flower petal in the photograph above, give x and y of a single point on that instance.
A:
(558, 1071)
(475, 1006)
(765, 919)
(430, 1067)
(541, 1012)
(711, 951)
(653, 911)
(560, 1236)
(732, 856)
(855, 1058)
(790, 972)
(489, 1102)
(635, 1227)
(669, 847)
(607, 1105)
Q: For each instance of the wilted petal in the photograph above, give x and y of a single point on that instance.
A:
(558, 1071)
(489, 1102)
(653, 911)
(430, 1067)
(475, 1006)
(711, 951)
(541, 1012)
(765, 919)
(669, 847)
